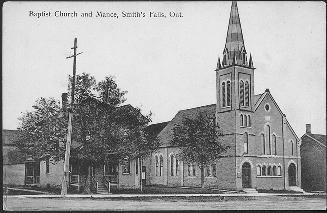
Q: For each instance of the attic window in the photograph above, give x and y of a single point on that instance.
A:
(267, 107)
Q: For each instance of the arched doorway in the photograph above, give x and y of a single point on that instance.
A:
(246, 175)
(292, 175)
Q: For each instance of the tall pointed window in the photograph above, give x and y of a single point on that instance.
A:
(157, 165)
(268, 139)
(161, 165)
(177, 167)
(241, 93)
(247, 95)
(274, 144)
(241, 119)
(172, 165)
(228, 93)
(249, 120)
(246, 143)
(292, 148)
(223, 94)
(263, 143)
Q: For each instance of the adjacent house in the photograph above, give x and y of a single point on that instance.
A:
(13, 166)
(313, 159)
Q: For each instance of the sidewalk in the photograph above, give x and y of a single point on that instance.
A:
(101, 196)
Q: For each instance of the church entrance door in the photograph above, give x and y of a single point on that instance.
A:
(246, 175)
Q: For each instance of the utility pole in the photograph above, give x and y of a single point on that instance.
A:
(65, 180)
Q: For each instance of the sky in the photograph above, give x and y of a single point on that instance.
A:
(165, 64)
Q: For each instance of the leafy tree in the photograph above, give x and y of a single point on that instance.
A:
(100, 124)
(199, 141)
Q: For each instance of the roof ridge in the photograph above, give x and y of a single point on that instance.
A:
(196, 107)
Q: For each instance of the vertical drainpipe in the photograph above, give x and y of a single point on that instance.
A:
(283, 149)
(167, 164)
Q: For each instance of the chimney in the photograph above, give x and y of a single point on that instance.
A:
(308, 128)
(64, 101)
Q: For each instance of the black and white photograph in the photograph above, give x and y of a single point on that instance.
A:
(163, 105)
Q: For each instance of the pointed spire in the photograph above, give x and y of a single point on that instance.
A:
(218, 64)
(250, 61)
(234, 41)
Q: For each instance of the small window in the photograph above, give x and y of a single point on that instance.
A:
(267, 107)
(208, 171)
(213, 167)
(258, 170)
(47, 165)
(274, 171)
(189, 170)
(249, 120)
(263, 170)
(245, 120)
(269, 171)
(125, 166)
(161, 165)
(279, 171)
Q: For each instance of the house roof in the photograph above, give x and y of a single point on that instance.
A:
(154, 129)
(321, 139)
(9, 136)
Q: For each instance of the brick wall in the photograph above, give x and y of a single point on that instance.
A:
(313, 158)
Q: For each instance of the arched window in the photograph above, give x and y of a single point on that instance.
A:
(172, 165)
(268, 139)
(245, 120)
(213, 169)
(247, 95)
(274, 171)
(249, 120)
(246, 143)
(176, 167)
(258, 170)
(279, 171)
(263, 139)
(161, 165)
(157, 166)
(241, 93)
(274, 144)
(292, 148)
(189, 169)
(228, 93)
(241, 119)
(263, 170)
(223, 93)
(269, 171)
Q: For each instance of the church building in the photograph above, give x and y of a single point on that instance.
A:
(264, 150)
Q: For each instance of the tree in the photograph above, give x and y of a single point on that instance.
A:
(100, 124)
(199, 141)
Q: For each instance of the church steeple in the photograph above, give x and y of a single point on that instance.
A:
(234, 51)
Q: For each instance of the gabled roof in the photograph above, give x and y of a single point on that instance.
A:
(166, 135)
(262, 97)
(256, 98)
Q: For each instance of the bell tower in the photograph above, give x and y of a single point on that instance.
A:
(235, 72)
